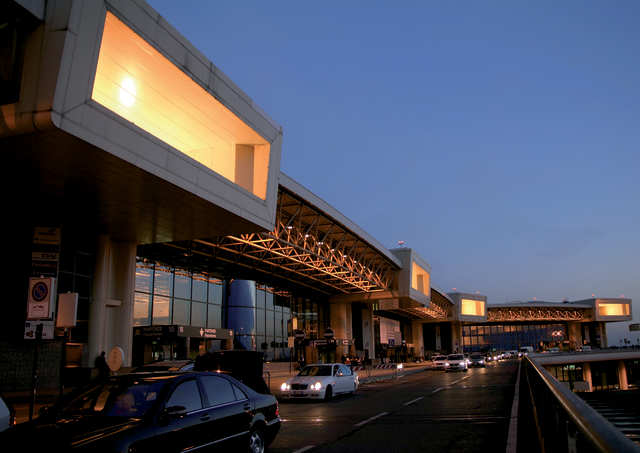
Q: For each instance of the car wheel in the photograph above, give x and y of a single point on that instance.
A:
(328, 394)
(256, 442)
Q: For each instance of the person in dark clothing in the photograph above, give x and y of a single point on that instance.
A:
(102, 367)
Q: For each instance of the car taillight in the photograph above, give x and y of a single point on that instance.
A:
(277, 410)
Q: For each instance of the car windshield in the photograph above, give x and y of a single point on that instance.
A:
(456, 357)
(116, 398)
(316, 370)
(439, 357)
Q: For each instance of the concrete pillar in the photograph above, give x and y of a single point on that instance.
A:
(603, 334)
(438, 338)
(574, 331)
(586, 375)
(622, 376)
(417, 338)
(368, 335)
(456, 337)
(340, 316)
(111, 310)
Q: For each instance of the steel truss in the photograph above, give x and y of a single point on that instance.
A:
(310, 247)
(535, 314)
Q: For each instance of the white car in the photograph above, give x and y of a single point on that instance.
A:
(320, 381)
(439, 361)
(456, 362)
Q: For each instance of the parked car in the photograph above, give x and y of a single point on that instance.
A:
(439, 361)
(320, 381)
(143, 412)
(525, 350)
(477, 360)
(456, 362)
(467, 358)
(7, 415)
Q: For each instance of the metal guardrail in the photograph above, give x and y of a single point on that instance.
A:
(563, 421)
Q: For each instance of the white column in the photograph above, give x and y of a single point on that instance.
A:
(417, 338)
(111, 311)
(368, 335)
(340, 325)
(622, 376)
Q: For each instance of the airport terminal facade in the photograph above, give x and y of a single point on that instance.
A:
(146, 192)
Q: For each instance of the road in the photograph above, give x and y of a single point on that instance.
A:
(431, 411)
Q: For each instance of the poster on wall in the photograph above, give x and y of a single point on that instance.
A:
(390, 331)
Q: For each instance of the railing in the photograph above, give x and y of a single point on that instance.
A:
(554, 419)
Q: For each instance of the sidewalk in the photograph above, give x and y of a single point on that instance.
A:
(277, 372)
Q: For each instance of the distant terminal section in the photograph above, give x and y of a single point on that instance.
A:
(634, 327)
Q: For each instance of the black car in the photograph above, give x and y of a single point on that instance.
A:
(477, 360)
(153, 412)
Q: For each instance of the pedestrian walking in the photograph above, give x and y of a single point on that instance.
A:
(102, 367)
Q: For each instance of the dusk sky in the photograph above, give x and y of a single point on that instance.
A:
(498, 139)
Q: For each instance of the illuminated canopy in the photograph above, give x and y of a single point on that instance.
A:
(141, 85)
(420, 280)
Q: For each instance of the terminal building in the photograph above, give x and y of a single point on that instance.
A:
(145, 186)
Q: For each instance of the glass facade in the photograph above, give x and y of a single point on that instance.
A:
(567, 373)
(167, 295)
(505, 337)
(259, 315)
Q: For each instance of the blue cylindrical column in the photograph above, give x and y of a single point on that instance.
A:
(241, 313)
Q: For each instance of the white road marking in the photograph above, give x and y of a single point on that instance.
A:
(308, 447)
(413, 401)
(437, 390)
(460, 380)
(370, 419)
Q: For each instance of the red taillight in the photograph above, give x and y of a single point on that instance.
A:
(277, 410)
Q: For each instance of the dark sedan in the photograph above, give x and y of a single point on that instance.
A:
(168, 412)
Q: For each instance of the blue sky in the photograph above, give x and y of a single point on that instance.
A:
(498, 139)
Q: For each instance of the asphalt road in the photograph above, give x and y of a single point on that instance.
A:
(431, 411)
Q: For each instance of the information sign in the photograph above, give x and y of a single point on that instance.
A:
(40, 300)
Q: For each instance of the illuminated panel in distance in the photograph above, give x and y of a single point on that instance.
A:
(420, 280)
(609, 309)
(141, 85)
(471, 307)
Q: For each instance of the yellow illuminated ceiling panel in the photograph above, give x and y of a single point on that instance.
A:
(141, 85)
(471, 307)
(613, 309)
(420, 280)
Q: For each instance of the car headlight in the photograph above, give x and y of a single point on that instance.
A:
(446, 363)
(284, 387)
(316, 386)
(481, 362)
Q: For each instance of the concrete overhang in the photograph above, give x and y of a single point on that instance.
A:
(76, 153)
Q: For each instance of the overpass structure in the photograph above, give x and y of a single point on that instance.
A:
(154, 193)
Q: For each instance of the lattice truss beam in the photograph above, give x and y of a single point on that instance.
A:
(312, 246)
(535, 314)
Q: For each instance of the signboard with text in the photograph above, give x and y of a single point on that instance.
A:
(40, 302)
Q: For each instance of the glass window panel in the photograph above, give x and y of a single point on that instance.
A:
(280, 326)
(141, 306)
(218, 390)
(186, 394)
(270, 328)
(144, 277)
(215, 292)
(199, 289)
(198, 314)
(269, 301)
(260, 321)
(182, 284)
(181, 309)
(260, 296)
(163, 281)
(161, 309)
(214, 316)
